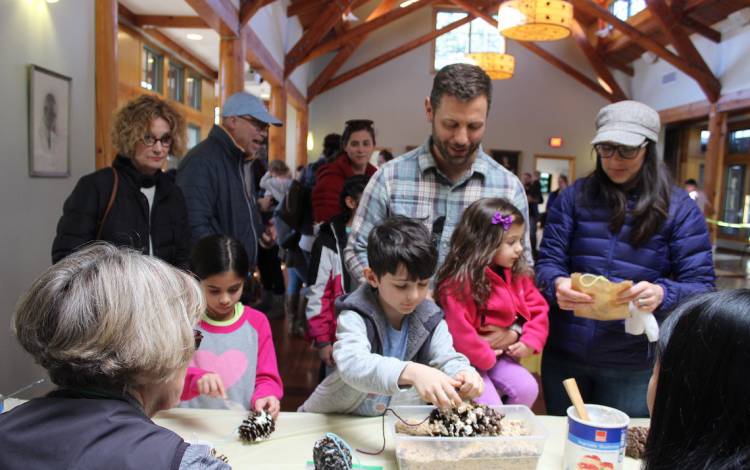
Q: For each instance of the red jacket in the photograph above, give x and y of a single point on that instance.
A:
(506, 302)
(329, 182)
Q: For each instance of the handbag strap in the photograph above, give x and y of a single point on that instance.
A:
(110, 203)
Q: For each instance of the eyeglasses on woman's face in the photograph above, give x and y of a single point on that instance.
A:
(626, 152)
(150, 140)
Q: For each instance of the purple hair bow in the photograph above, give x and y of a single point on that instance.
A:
(505, 220)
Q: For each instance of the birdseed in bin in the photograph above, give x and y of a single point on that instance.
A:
(471, 437)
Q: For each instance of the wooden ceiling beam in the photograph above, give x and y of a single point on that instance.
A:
(365, 28)
(304, 7)
(168, 21)
(249, 8)
(392, 54)
(681, 41)
(616, 63)
(542, 53)
(345, 52)
(596, 62)
(220, 15)
(310, 38)
(700, 28)
(648, 43)
(262, 60)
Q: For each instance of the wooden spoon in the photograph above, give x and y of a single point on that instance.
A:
(575, 397)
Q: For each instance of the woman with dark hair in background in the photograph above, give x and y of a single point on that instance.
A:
(625, 221)
(331, 149)
(358, 142)
(133, 203)
(698, 392)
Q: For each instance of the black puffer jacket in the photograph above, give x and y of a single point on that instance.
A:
(129, 222)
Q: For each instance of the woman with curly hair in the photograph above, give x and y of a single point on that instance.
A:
(132, 203)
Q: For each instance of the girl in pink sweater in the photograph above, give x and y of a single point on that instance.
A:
(483, 282)
(236, 360)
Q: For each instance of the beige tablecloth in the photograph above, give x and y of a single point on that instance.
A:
(290, 447)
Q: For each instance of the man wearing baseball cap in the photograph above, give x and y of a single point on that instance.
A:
(216, 175)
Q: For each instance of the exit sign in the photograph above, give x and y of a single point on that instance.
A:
(555, 142)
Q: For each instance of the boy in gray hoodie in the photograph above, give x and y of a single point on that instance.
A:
(392, 343)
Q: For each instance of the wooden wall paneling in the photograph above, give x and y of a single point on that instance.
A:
(277, 135)
(733, 101)
(208, 105)
(106, 78)
(129, 49)
(232, 56)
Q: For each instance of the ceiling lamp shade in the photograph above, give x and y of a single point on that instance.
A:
(535, 20)
(498, 66)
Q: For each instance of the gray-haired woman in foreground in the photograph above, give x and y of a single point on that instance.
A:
(114, 329)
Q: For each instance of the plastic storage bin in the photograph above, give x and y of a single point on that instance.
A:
(469, 453)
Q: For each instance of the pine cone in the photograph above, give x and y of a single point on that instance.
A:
(258, 425)
(636, 447)
(331, 453)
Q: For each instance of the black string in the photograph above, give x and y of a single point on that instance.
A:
(400, 419)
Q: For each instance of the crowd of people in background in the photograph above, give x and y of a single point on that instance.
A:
(353, 254)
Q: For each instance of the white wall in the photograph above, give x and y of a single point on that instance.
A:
(538, 102)
(58, 37)
(727, 60)
(279, 34)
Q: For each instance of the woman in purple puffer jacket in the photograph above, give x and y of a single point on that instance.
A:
(626, 220)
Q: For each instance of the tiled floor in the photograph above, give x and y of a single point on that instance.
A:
(298, 362)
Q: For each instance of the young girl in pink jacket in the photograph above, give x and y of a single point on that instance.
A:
(483, 282)
(236, 359)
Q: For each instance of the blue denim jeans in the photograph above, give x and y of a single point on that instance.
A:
(624, 389)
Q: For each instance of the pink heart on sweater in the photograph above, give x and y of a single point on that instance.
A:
(230, 365)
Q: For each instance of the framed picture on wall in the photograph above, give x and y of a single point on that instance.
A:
(49, 123)
(507, 158)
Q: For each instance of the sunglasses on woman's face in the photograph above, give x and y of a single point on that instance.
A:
(198, 337)
(626, 152)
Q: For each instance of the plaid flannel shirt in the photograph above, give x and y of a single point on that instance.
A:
(412, 185)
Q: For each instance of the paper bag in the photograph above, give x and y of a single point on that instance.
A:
(605, 295)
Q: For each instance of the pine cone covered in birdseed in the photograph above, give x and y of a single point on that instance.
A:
(330, 454)
(468, 419)
(258, 425)
(637, 436)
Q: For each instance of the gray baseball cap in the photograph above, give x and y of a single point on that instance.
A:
(627, 123)
(245, 104)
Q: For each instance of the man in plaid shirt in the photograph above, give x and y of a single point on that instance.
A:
(437, 181)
